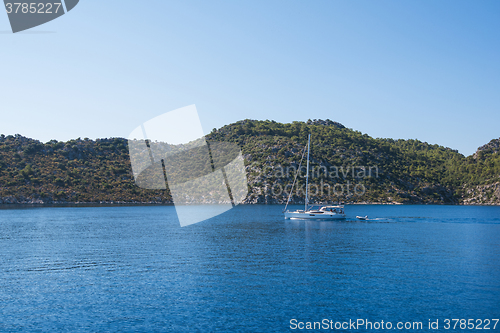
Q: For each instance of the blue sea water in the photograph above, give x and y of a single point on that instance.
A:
(134, 269)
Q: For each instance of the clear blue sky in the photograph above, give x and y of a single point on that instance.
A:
(402, 69)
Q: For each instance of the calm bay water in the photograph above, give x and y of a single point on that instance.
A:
(106, 269)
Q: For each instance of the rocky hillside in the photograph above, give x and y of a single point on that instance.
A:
(73, 171)
(346, 165)
(482, 175)
(491, 147)
(354, 166)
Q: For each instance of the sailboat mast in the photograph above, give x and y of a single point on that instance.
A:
(307, 171)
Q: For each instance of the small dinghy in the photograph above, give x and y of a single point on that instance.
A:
(362, 217)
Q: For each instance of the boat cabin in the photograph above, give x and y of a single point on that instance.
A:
(339, 209)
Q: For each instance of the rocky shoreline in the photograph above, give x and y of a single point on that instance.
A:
(29, 202)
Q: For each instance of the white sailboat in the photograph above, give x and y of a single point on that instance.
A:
(314, 211)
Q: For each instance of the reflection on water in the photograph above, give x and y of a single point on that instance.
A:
(248, 270)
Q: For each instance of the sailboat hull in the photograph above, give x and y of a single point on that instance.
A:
(314, 216)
